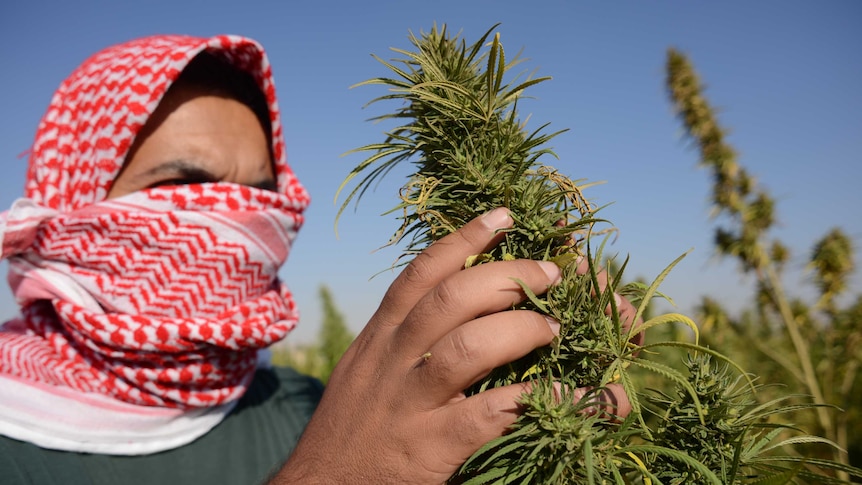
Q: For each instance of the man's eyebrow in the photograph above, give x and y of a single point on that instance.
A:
(189, 170)
(182, 168)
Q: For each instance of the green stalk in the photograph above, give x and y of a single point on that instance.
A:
(811, 381)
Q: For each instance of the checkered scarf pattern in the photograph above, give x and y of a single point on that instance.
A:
(159, 298)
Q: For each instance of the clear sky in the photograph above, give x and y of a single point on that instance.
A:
(787, 76)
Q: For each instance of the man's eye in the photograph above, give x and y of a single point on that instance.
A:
(181, 181)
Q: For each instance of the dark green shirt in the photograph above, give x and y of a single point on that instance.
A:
(248, 447)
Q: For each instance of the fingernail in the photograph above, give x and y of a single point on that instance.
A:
(555, 325)
(618, 299)
(552, 270)
(497, 219)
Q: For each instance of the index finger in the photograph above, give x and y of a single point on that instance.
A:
(440, 260)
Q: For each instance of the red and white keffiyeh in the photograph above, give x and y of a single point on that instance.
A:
(142, 316)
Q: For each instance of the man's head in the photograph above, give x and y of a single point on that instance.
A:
(211, 126)
(104, 113)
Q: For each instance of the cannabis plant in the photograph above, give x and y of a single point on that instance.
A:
(734, 438)
(814, 349)
(458, 124)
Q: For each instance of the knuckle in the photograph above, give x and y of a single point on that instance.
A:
(413, 281)
(418, 272)
(473, 235)
(458, 353)
(446, 295)
(473, 420)
(464, 349)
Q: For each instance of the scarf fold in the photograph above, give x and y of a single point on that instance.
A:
(141, 316)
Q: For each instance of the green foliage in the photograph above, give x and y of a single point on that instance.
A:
(458, 124)
(320, 358)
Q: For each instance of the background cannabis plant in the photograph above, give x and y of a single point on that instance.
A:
(459, 126)
(318, 359)
(814, 349)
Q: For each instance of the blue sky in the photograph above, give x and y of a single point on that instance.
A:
(787, 77)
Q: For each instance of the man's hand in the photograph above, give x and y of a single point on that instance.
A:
(394, 410)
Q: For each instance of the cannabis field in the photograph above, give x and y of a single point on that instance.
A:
(768, 393)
